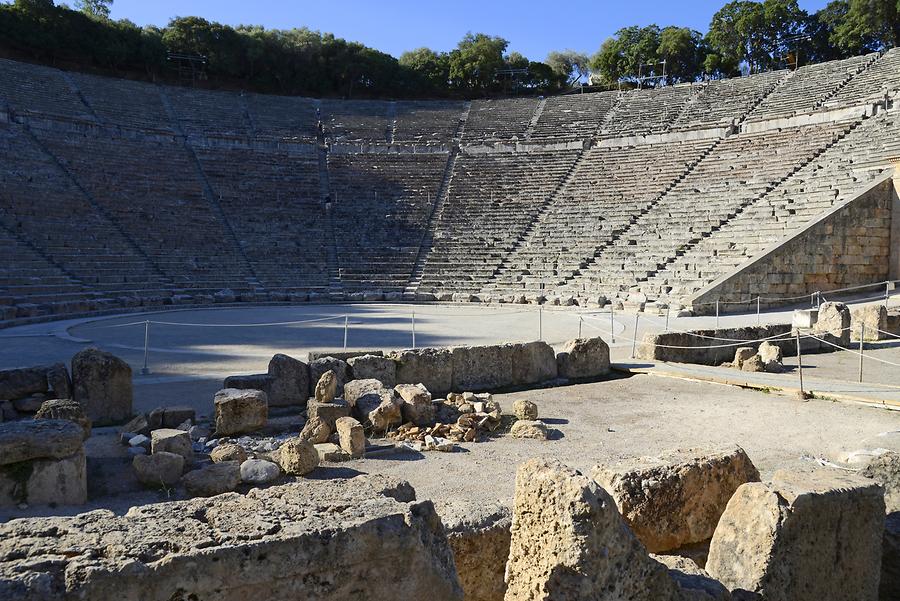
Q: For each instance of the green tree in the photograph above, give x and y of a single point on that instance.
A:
(432, 69)
(683, 50)
(869, 25)
(476, 60)
(99, 9)
(569, 66)
(621, 56)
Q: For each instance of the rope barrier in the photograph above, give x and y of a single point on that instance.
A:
(868, 357)
(225, 325)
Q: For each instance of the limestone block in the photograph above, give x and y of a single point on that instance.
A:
(833, 324)
(677, 498)
(525, 428)
(315, 430)
(479, 368)
(259, 471)
(58, 481)
(743, 354)
(804, 536)
(532, 363)
(228, 452)
(326, 387)
(380, 411)
(101, 383)
(432, 367)
(290, 381)
(298, 457)
(354, 389)
(58, 381)
(38, 439)
(695, 583)
(368, 367)
(251, 382)
(240, 411)
(351, 436)
(569, 543)
(771, 357)
(172, 441)
(885, 470)
(212, 480)
(525, 409)
(417, 406)
(160, 469)
(21, 383)
(327, 412)
(753, 364)
(332, 453)
(875, 320)
(65, 409)
(321, 365)
(583, 358)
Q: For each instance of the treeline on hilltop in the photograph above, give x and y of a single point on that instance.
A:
(744, 36)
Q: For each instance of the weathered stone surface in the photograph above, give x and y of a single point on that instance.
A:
(175, 415)
(323, 364)
(524, 409)
(380, 411)
(60, 481)
(160, 469)
(228, 452)
(479, 535)
(532, 363)
(58, 381)
(101, 383)
(30, 404)
(526, 428)
(172, 441)
(317, 541)
(481, 367)
(374, 367)
(433, 367)
(834, 323)
(890, 559)
(249, 382)
(240, 411)
(676, 499)
(259, 471)
(327, 412)
(354, 389)
(65, 409)
(316, 430)
(805, 536)
(743, 354)
(351, 436)
(583, 358)
(21, 383)
(332, 453)
(138, 425)
(212, 480)
(885, 470)
(326, 387)
(290, 381)
(298, 457)
(695, 583)
(875, 320)
(38, 439)
(417, 406)
(570, 543)
(753, 364)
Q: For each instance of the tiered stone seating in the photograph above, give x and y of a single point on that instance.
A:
(205, 113)
(647, 111)
(609, 188)
(24, 274)
(492, 200)
(124, 102)
(827, 180)
(354, 120)
(283, 117)
(427, 121)
(882, 77)
(724, 102)
(577, 116)
(499, 120)
(740, 169)
(808, 87)
(381, 204)
(41, 203)
(34, 89)
(272, 200)
(151, 187)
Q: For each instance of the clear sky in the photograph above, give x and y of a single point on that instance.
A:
(393, 26)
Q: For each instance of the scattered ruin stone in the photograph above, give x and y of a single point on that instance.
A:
(59, 382)
(433, 367)
(525, 409)
(239, 411)
(228, 452)
(65, 409)
(771, 357)
(172, 441)
(885, 470)
(380, 411)
(38, 439)
(417, 407)
(532, 363)
(24, 382)
(159, 469)
(332, 453)
(137, 425)
(351, 436)
(316, 430)
(743, 354)
(833, 324)
(875, 320)
(479, 535)
(890, 558)
(374, 367)
(326, 387)
(30, 404)
(321, 540)
(259, 471)
(355, 389)
(583, 358)
(101, 383)
(804, 536)
(677, 498)
(753, 364)
(695, 583)
(212, 480)
(486, 367)
(298, 457)
(525, 428)
(290, 381)
(327, 412)
(323, 364)
(569, 543)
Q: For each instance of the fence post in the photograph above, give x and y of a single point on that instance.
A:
(800, 365)
(862, 338)
(717, 315)
(146, 369)
(414, 328)
(346, 325)
(887, 294)
(668, 310)
(758, 298)
(580, 320)
(612, 324)
(540, 322)
(637, 316)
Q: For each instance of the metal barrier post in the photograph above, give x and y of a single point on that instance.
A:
(862, 338)
(612, 324)
(414, 328)
(758, 298)
(800, 365)
(887, 294)
(580, 320)
(668, 310)
(540, 322)
(634, 337)
(146, 369)
(717, 315)
(346, 324)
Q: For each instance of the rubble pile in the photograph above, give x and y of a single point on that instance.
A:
(461, 417)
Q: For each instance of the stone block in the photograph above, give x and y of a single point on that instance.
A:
(240, 411)
(21, 383)
(65, 409)
(480, 368)
(433, 367)
(320, 366)
(298, 457)
(583, 358)
(290, 382)
(159, 469)
(212, 480)
(417, 406)
(351, 436)
(172, 441)
(101, 383)
(327, 412)
(374, 367)
(833, 324)
(56, 481)
(532, 363)
(875, 320)
(38, 439)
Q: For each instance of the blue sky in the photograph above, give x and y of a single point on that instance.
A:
(532, 28)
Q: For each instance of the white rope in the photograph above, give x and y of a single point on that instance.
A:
(226, 325)
(837, 346)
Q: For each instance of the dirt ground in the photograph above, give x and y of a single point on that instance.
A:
(593, 423)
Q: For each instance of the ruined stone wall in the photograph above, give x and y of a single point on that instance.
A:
(849, 246)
